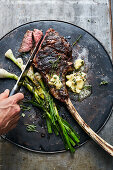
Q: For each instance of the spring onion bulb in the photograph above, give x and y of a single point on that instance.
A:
(9, 55)
(6, 74)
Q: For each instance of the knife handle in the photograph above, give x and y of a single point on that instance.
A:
(14, 90)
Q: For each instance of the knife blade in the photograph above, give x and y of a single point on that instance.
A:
(16, 86)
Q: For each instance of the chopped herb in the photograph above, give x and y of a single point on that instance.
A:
(74, 80)
(59, 57)
(87, 87)
(88, 20)
(51, 62)
(52, 72)
(82, 62)
(77, 40)
(31, 128)
(80, 73)
(55, 77)
(103, 83)
(23, 107)
(55, 63)
(23, 114)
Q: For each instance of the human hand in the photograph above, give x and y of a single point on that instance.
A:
(9, 111)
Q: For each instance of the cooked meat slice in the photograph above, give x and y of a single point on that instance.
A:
(54, 60)
(27, 42)
(37, 34)
(31, 38)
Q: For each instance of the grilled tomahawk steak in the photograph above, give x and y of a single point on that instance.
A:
(54, 58)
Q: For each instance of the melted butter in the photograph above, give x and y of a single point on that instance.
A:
(55, 81)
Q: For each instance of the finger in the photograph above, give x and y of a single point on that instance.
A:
(17, 97)
(10, 123)
(16, 116)
(13, 126)
(5, 94)
(12, 114)
(14, 121)
(4, 131)
(16, 110)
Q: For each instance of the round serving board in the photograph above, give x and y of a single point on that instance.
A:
(95, 109)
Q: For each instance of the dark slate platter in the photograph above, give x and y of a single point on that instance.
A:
(95, 110)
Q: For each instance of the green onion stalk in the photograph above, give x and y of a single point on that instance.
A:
(42, 99)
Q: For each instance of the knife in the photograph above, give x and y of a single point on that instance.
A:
(28, 64)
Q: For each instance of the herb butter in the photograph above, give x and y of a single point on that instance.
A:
(76, 81)
(78, 63)
(55, 81)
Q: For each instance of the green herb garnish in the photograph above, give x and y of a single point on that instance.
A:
(51, 62)
(87, 87)
(25, 108)
(55, 63)
(77, 40)
(74, 80)
(103, 83)
(31, 128)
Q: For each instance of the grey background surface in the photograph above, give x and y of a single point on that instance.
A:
(92, 15)
(112, 12)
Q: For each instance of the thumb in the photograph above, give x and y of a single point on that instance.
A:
(4, 95)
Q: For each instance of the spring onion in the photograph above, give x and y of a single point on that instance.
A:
(6, 74)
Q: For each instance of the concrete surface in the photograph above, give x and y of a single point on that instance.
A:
(92, 15)
(112, 12)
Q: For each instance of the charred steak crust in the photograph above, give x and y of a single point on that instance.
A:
(54, 57)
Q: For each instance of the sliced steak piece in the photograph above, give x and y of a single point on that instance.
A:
(31, 38)
(37, 34)
(53, 58)
(27, 42)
